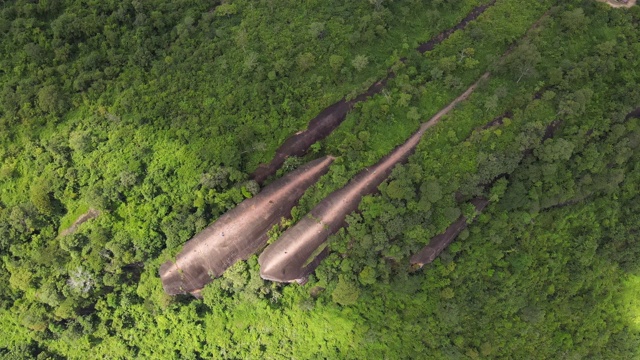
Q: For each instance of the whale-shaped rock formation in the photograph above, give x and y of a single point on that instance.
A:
(288, 258)
(239, 233)
(295, 254)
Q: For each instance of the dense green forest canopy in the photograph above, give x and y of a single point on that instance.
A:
(149, 116)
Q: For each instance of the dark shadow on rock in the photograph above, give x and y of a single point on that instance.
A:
(440, 242)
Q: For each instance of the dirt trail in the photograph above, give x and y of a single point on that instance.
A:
(440, 242)
(287, 259)
(239, 233)
(331, 117)
(89, 215)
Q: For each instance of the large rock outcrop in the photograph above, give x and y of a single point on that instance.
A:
(239, 233)
(298, 251)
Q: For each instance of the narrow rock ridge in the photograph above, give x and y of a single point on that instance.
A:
(331, 117)
(319, 128)
(239, 233)
(429, 45)
(440, 242)
(290, 257)
(634, 114)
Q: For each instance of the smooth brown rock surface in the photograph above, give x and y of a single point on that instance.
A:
(292, 257)
(239, 233)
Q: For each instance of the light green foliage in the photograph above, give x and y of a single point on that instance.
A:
(226, 10)
(346, 292)
(306, 61)
(336, 61)
(317, 30)
(155, 112)
(41, 198)
(360, 62)
(367, 276)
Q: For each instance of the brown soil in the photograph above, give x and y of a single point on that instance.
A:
(90, 214)
(618, 4)
(287, 259)
(331, 117)
(440, 242)
(239, 233)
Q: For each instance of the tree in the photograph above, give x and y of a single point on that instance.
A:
(491, 104)
(226, 10)
(306, 61)
(523, 61)
(360, 62)
(216, 177)
(35, 318)
(413, 114)
(80, 280)
(50, 100)
(431, 190)
(41, 198)
(498, 189)
(336, 62)
(574, 20)
(346, 292)
(554, 150)
(448, 64)
(368, 276)
(377, 4)
(128, 179)
(316, 30)
(80, 141)
(251, 61)
(575, 104)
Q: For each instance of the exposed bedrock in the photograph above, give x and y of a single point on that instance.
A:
(286, 260)
(239, 233)
(319, 128)
(331, 117)
(292, 256)
(440, 242)
(429, 45)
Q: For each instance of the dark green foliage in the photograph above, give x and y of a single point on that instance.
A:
(154, 112)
